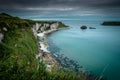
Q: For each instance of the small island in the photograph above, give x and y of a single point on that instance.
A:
(92, 28)
(111, 23)
(83, 27)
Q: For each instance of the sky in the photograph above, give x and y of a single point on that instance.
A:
(35, 9)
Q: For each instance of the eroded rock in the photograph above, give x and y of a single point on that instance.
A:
(1, 37)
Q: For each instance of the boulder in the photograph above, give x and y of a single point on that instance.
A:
(92, 28)
(83, 27)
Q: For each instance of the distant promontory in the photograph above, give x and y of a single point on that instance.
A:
(111, 23)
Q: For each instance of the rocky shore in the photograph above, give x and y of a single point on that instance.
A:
(44, 54)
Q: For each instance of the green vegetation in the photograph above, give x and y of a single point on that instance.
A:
(18, 50)
(61, 25)
(111, 23)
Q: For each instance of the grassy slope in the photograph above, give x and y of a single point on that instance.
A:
(17, 53)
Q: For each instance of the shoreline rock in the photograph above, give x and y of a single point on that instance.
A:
(92, 28)
(44, 53)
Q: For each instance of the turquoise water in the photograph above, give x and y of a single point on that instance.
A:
(97, 50)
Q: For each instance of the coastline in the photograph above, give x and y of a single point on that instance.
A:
(44, 54)
(58, 61)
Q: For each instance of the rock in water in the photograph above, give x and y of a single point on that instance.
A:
(92, 28)
(83, 27)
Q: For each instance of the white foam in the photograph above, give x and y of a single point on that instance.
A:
(43, 47)
(40, 35)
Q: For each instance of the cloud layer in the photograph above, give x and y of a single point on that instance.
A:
(70, 7)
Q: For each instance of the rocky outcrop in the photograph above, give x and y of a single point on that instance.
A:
(92, 28)
(54, 26)
(83, 27)
(1, 37)
(2, 30)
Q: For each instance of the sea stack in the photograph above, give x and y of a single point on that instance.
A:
(83, 27)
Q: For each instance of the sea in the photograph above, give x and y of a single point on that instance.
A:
(97, 50)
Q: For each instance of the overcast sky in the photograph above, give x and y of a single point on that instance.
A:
(60, 8)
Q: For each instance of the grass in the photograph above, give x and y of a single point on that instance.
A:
(18, 49)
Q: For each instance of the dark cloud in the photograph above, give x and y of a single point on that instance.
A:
(61, 6)
(59, 2)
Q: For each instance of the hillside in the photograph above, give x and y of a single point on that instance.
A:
(18, 47)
